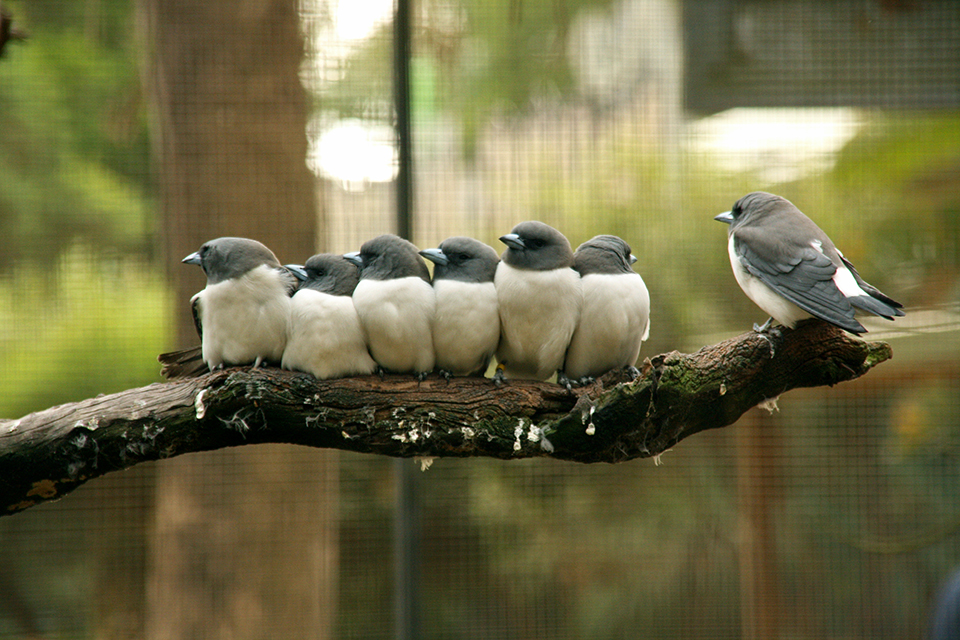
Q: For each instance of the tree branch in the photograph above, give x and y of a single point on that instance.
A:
(47, 454)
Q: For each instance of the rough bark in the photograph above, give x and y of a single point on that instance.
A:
(45, 455)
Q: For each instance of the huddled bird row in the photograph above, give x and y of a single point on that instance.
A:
(540, 308)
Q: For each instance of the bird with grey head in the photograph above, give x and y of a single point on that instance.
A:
(396, 304)
(792, 270)
(324, 335)
(241, 314)
(539, 300)
(466, 328)
(615, 317)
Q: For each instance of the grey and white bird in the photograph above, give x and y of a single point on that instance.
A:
(615, 318)
(241, 315)
(396, 304)
(324, 336)
(539, 298)
(789, 267)
(466, 328)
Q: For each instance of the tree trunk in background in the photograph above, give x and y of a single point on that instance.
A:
(235, 553)
(759, 494)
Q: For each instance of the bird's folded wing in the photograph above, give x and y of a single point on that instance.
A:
(802, 275)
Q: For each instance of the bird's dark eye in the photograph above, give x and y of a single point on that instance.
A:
(536, 243)
(462, 257)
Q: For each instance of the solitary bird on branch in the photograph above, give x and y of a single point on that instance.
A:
(789, 267)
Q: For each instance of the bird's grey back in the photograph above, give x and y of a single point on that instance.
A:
(760, 207)
(331, 273)
(604, 254)
(547, 248)
(469, 260)
(226, 258)
(388, 256)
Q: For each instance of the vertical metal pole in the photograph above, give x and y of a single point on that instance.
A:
(401, 99)
(406, 540)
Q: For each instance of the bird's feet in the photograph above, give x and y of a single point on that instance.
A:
(569, 383)
(632, 371)
(499, 378)
(446, 375)
(764, 327)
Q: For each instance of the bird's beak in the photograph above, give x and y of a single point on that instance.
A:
(513, 241)
(193, 258)
(354, 257)
(297, 270)
(633, 259)
(726, 217)
(435, 256)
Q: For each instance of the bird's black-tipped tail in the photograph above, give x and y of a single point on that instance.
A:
(876, 302)
(186, 363)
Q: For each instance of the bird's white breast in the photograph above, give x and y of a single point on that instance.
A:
(467, 326)
(244, 319)
(324, 337)
(614, 320)
(778, 307)
(397, 317)
(539, 311)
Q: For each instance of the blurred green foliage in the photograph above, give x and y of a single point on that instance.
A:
(72, 128)
(93, 325)
(84, 311)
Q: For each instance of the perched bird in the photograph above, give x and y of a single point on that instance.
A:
(615, 317)
(789, 267)
(324, 336)
(241, 315)
(396, 304)
(466, 328)
(539, 298)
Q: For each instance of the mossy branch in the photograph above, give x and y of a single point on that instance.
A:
(47, 454)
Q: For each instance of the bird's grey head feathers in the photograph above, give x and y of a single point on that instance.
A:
(226, 258)
(388, 257)
(464, 259)
(782, 224)
(755, 206)
(536, 246)
(603, 255)
(328, 273)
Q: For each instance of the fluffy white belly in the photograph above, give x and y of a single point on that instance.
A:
(324, 337)
(467, 326)
(539, 311)
(775, 305)
(397, 317)
(244, 320)
(614, 320)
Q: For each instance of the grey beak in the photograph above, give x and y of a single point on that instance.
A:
(354, 257)
(297, 271)
(193, 258)
(633, 259)
(513, 241)
(726, 217)
(435, 256)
